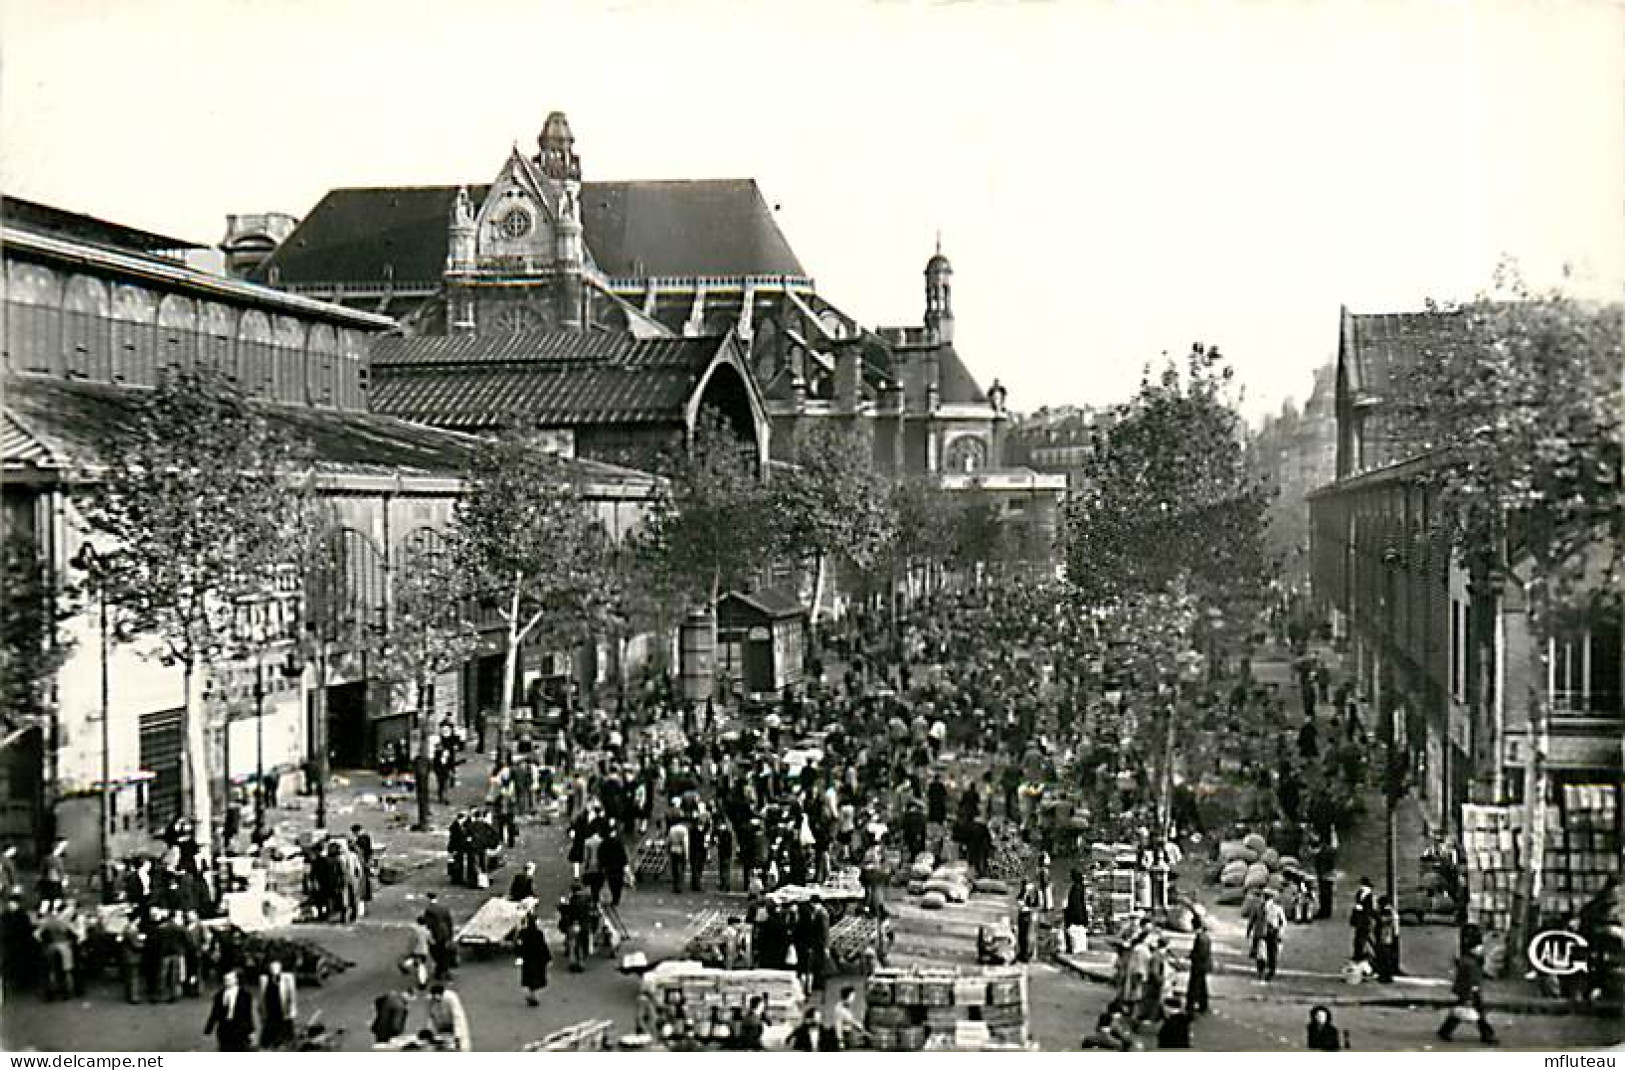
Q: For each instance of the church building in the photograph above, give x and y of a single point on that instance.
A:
(536, 267)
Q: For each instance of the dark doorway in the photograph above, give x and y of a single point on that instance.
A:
(162, 746)
(758, 665)
(487, 684)
(347, 725)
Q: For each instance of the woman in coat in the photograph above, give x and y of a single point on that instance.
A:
(1323, 1034)
(534, 956)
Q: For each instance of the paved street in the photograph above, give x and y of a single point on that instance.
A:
(1248, 1015)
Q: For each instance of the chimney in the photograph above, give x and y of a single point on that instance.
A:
(251, 239)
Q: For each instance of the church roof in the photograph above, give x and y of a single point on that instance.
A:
(955, 384)
(364, 236)
(709, 227)
(546, 378)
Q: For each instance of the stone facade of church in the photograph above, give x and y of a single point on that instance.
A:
(537, 249)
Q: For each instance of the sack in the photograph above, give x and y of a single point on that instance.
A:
(483, 880)
(790, 955)
(1464, 1013)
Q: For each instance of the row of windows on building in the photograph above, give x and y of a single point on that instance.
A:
(77, 326)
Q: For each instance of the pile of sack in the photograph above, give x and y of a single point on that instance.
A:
(939, 885)
(1249, 865)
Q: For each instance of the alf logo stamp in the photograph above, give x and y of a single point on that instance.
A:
(1558, 953)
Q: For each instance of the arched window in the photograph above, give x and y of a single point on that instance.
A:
(134, 312)
(967, 453)
(87, 338)
(254, 353)
(216, 328)
(288, 360)
(352, 376)
(321, 366)
(177, 333)
(33, 318)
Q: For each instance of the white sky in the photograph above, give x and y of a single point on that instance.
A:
(1112, 180)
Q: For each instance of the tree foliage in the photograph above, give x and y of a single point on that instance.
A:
(1525, 408)
(710, 527)
(829, 504)
(31, 647)
(1169, 493)
(431, 631)
(530, 548)
(201, 500)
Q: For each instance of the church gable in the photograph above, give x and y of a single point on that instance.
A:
(515, 226)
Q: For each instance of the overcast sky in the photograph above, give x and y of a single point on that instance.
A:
(1112, 180)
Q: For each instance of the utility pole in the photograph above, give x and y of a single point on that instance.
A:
(259, 747)
(1392, 785)
(107, 751)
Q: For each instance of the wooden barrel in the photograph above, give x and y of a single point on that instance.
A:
(696, 657)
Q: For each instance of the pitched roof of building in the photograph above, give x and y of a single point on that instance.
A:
(549, 378)
(706, 227)
(1376, 350)
(55, 422)
(703, 227)
(956, 385)
(76, 226)
(774, 602)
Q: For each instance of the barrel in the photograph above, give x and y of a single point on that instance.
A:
(696, 656)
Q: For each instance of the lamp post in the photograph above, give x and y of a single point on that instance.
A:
(89, 561)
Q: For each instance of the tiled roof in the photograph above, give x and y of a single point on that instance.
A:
(709, 227)
(19, 445)
(563, 378)
(1377, 349)
(774, 602)
(72, 418)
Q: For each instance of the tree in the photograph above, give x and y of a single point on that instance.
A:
(1523, 415)
(921, 530)
(830, 504)
(529, 548)
(31, 647)
(710, 526)
(201, 498)
(431, 632)
(978, 533)
(1169, 494)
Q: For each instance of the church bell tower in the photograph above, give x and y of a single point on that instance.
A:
(939, 308)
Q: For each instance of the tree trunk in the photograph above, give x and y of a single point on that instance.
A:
(818, 591)
(1535, 772)
(195, 786)
(420, 768)
(510, 671)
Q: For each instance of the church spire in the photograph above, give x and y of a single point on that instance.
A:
(557, 149)
(939, 309)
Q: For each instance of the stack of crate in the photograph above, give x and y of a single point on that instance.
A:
(906, 1009)
(704, 988)
(1582, 847)
(651, 861)
(591, 1035)
(1492, 838)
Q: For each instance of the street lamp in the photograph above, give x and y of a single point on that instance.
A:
(89, 561)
